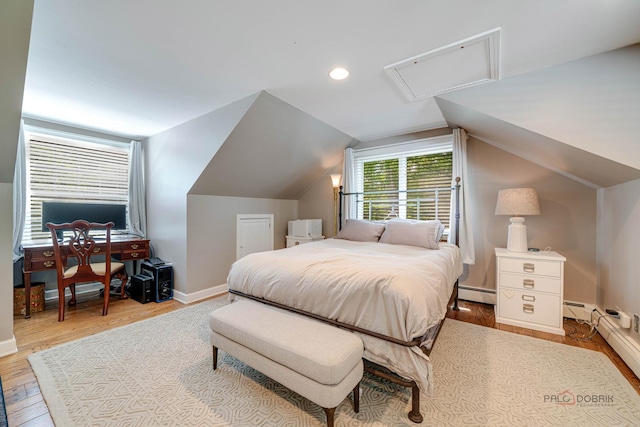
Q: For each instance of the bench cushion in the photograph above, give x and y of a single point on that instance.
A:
(321, 352)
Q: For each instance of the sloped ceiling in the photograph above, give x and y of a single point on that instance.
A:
(15, 25)
(276, 151)
(581, 118)
(138, 68)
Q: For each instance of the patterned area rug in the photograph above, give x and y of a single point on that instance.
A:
(158, 372)
(3, 409)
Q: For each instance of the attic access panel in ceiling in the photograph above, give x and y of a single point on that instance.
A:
(464, 63)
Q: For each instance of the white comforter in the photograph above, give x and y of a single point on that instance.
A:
(396, 290)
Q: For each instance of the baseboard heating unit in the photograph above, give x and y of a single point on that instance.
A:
(578, 310)
(619, 339)
(470, 293)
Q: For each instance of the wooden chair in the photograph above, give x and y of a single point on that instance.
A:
(82, 246)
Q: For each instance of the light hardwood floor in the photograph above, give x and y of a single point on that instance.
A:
(26, 407)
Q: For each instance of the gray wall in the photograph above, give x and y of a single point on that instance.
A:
(317, 202)
(15, 30)
(618, 237)
(260, 153)
(211, 235)
(567, 222)
(174, 160)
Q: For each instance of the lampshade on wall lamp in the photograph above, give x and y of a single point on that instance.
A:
(517, 202)
(335, 181)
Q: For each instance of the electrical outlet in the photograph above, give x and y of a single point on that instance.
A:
(636, 323)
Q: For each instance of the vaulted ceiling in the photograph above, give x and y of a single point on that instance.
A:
(580, 119)
(138, 68)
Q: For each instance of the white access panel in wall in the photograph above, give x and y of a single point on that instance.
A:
(254, 234)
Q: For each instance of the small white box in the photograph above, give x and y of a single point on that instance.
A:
(305, 228)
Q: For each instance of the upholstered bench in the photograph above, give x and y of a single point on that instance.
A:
(319, 362)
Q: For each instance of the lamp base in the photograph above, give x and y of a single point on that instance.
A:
(517, 240)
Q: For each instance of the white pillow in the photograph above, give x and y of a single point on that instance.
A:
(360, 231)
(412, 233)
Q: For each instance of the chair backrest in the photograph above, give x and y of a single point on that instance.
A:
(82, 246)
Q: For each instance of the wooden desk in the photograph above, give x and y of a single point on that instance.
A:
(38, 256)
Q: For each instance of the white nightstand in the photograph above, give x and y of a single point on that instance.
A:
(530, 289)
(295, 241)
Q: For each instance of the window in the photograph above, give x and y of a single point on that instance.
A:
(393, 177)
(68, 168)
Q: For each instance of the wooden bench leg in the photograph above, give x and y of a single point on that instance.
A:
(215, 358)
(356, 398)
(331, 412)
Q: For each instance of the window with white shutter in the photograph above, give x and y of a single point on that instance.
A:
(394, 176)
(70, 169)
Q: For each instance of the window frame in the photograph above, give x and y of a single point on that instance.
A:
(82, 142)
(401, 151)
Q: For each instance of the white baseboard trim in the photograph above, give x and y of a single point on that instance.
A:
(85, 288)
(470, 293)
(621, 341)
(200, 295)
(8, 347)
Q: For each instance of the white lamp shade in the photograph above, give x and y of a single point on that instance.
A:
(335, 179)
(517, 202)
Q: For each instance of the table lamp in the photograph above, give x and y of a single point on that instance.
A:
(517, 202)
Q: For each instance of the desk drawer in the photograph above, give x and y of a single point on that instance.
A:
(530, 307)
(45, 254)
(140, 246)
(530, 266)
(531, 282)
(134, 250)
(42, 264)
(134, 255)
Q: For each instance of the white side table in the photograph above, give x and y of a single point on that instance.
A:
(530, 290)
(295, 241)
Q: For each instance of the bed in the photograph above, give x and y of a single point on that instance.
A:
(395, 296)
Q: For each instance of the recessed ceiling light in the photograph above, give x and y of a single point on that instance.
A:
(339, 73)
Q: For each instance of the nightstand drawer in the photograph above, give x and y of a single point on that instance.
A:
(531, 283)
(530, 266)
(530, 307)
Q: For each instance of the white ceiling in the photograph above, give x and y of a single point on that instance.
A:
(138, 67)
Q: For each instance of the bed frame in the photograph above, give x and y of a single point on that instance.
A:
(375, 369)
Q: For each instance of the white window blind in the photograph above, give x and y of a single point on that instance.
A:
(393, 176)
(64, 169)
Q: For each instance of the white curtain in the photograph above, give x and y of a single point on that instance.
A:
(349, 209)
(460, 170)
(137, 209)
(19, 194)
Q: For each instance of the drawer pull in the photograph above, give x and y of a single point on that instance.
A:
(529, 298)
(96, 250)
(48, 254)
(528, 283)
(49, 263)
(135, 255)
(296, 244)
(528, 308)
(134, 246)
(529, 267)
